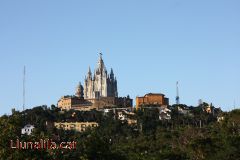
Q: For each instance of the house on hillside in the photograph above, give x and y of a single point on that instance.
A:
(27, 129)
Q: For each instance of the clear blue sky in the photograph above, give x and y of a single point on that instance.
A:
(149, 44)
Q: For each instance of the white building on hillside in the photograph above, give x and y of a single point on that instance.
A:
(27, 129)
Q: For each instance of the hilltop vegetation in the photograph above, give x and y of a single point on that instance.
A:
(193, 136)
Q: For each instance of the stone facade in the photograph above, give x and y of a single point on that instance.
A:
(77, 103)
(68, 102)
(77, 126)
(100, 84)
(152, 99)
(99, 92)
(124, 101)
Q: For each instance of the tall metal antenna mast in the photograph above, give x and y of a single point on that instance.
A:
(177, 94)
(24, 79)
(234, 104)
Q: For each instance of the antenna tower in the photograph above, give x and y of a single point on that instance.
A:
(177, 94)
(24, 81)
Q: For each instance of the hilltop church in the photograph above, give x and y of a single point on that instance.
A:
(101, 84)
(99, 91)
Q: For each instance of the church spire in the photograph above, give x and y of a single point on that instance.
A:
(111, 71)
(111, 74)
(100, 61)
(89, 73)
(89, 70)
(100, 65)
(99, 83)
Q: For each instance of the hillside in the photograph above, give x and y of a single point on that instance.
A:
(193, 136)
